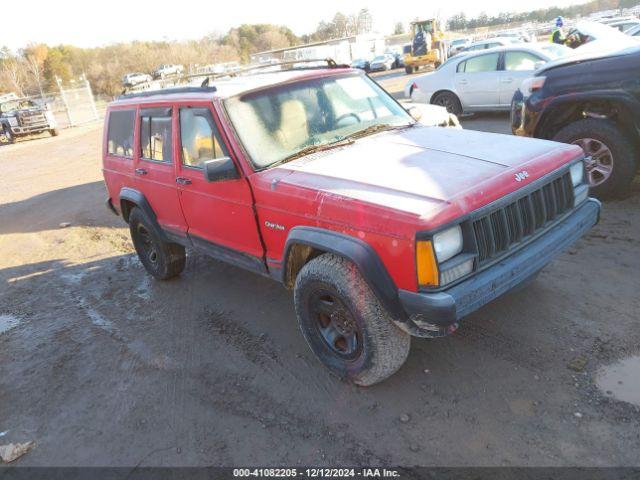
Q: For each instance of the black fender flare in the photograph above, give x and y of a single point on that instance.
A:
(618, 96)
(139, 200)
(357, 251)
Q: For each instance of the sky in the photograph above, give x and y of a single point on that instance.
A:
(94, 23)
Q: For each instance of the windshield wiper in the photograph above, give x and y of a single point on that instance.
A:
(378, 127)
(313, 149)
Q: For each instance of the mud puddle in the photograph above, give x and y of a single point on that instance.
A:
(621, 380)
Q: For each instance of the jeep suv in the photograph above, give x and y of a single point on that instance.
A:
(21, 117)
(384, 228)
(590, 101)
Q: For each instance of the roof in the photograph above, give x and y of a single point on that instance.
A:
(231, 86)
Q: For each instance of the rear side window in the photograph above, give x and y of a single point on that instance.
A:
(482, 63)
(520, 61)
(199, 137)
(155, 134)
(120, 133)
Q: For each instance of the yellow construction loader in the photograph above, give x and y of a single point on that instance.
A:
(428, 46)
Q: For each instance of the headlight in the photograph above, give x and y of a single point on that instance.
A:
(532, 84)
(13, 121)
(447, 243)
(577, 173)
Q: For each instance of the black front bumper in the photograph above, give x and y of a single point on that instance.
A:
(436, 314)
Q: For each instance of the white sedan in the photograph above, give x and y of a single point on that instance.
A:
(482, 81)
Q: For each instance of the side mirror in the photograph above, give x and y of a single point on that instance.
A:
(415, 112)
(220, 169)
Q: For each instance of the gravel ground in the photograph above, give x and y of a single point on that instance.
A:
(101, 365)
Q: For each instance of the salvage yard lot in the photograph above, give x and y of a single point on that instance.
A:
(101, 365)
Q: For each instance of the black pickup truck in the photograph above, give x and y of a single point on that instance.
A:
(592, 101)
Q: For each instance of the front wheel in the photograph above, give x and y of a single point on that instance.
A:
(408, 70)
(6, 138)
(161, 259)
(345, 325)
(610, 158)
(54, 132)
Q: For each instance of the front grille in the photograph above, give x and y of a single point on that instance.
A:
(31, 119)
(505, 227)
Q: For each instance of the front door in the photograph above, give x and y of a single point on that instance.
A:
(154, 168)
(477, 81)
(220, 214)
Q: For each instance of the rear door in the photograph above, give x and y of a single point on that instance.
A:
(476, 81)
(155, 171)
(518, 66)
(220, 214)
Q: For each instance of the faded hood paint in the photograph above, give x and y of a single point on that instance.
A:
(430, 174)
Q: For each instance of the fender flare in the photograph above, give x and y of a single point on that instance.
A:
(355, 250)
(595, 96)
(140, 201)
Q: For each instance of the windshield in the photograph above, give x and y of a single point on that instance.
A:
(277, 123)
(16, 105)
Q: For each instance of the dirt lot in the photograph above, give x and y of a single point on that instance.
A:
(100, 365)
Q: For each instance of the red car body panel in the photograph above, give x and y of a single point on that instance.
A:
(383, 189)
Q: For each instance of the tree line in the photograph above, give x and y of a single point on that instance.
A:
(461, 22)
(34, 69)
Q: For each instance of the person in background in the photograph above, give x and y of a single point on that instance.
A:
(558, 36)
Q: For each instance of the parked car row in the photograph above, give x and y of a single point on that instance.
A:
(387, 61)
(163, 71)
(585, 96)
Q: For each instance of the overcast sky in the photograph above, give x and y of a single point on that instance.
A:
(93, 23)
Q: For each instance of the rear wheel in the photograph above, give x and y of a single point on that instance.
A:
(610, 158)
(408, 70)
(448, 100)
(161, 259)
(344, 323)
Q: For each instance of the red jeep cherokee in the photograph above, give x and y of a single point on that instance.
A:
(384, 228)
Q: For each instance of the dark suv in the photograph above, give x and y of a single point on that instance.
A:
(593, 102)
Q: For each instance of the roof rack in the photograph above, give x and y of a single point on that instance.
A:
(291, 64)
(207, 77)
(165, 91)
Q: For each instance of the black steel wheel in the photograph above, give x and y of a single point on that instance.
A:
(161, 259)
(344, 323)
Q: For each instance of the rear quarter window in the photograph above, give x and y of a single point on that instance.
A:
(120, 133)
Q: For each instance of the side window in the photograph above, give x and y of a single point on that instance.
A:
(461, 67)
(482, 63)
(518, 61)
(155, 134)
(120, 134)
(199, 137)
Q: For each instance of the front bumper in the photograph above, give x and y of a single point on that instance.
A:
(25, 130)
(436, 314)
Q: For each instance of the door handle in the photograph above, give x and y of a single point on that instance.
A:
(463, 82)
(507, 80)
(183, 181)
(141, 171)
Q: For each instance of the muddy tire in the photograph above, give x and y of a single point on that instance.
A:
(6, 138)
(161, 259)
(448, 100)
(344, 323)
(612, 158)
(54, 132)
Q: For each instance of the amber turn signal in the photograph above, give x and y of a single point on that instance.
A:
(426, 264)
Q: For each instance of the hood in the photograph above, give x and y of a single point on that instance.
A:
(431, 173)
(595, 50)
